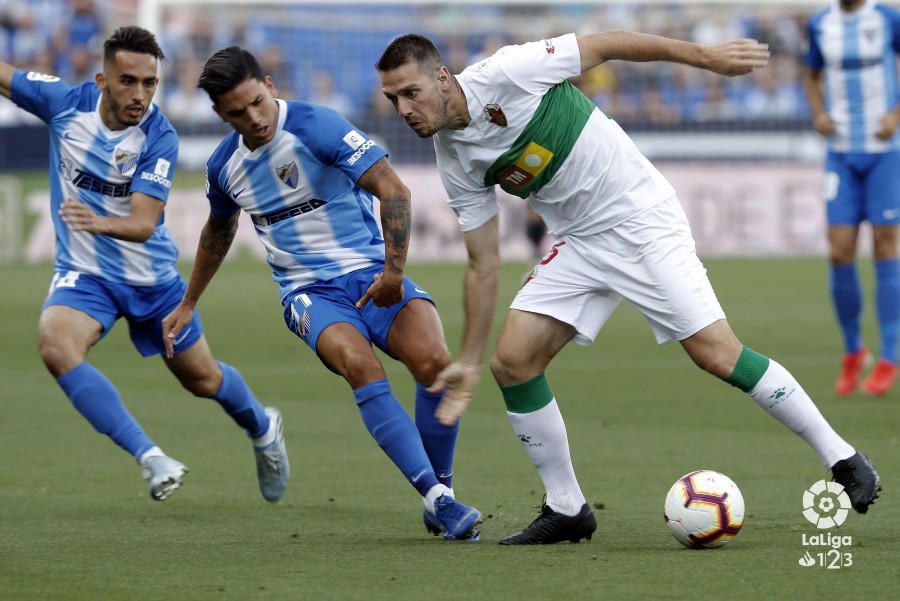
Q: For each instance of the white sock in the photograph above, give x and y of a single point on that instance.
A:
(154, 452)
(543, 436)
(434, 493)
(782, 397)
(267, 438)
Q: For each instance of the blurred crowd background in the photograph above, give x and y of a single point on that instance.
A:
(325, 54)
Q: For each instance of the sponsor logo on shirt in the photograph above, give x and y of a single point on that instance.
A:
(495, 114)
(156, 179)
(360, 152)
(528, 166)
(854, 64)
(289, 174)
(354, 139)
(288, 213)
(86, 181)
(125, 160)
(35, 76)
(549, 47)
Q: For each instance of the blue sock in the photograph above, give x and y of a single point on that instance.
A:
(439, 440)
(95, 397)
(846, 296)
(887, 300)
(395, 433)
(238, 401)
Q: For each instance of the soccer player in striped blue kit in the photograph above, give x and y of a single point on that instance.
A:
(111, 161)
(852, 54)
(307, 178)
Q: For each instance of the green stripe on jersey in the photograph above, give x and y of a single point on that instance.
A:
(529, 396)
(542, 147)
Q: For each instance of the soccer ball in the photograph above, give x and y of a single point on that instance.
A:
(704, 509)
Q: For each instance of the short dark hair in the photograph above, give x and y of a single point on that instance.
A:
(226, 69)
(131, 39)
(411, 46)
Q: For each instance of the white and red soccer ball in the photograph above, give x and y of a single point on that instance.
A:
(704, 509)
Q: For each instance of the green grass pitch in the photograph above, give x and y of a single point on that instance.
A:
(76, 522)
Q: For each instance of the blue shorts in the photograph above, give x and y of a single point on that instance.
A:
(310, 309)
(143, 307)
(863, 187)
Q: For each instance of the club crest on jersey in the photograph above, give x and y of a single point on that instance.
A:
(126, 160)
(549, 47)
(289, 174)
(495, 115)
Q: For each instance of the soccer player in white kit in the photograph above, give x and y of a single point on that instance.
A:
(515, 121)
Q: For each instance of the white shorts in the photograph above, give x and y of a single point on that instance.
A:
(649, 260)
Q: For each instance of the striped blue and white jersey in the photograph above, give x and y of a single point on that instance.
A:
(102, 168)
(300, 190)
(858, 52)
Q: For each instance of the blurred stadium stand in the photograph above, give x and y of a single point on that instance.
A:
(325, 54)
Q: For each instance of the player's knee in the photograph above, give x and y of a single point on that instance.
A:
(425, 370)
(507, 367)
(204, 384)
(359, 369)
(58, 354)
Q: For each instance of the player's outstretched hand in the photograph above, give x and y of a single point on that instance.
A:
(172, 324)
(384, 291)
(79, 217)
(458, 381)
(737, 57)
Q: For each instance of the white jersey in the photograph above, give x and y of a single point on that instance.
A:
(858, 53)
(580, 172)
(103, 168)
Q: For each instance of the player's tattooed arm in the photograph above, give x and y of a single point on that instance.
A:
(383, 182)
(6, 74)
(215, 240)
(218, 234)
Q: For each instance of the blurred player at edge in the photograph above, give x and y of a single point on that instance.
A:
(515, 121)
(111, 162)
(854, 44)
(307, 178)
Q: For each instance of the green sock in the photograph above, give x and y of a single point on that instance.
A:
(748, 370)
(529, 396)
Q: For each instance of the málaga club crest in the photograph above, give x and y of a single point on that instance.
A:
(495, 115)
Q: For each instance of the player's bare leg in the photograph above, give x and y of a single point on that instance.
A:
(717, 350)
(65, 335)
(203, 376)
(528, 341)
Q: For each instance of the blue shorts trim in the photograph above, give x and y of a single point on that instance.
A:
(309, 310)
(143, 307)
(862, 187)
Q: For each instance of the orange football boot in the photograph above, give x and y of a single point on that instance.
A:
(881, 379)
(851, 368)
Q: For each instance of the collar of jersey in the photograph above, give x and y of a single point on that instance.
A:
(110, 133)
(282, 115)
(867, 6)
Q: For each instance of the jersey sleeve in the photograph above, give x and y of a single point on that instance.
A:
(337, 142)
(44, 96)
(220, 204)
(474, 205)
(814, 59)
(153, 175)
(538, 66)
(893, 17)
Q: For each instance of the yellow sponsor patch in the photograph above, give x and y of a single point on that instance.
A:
(528, 166)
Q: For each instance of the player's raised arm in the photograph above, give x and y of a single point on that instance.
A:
(480, 286)
(137, 226)
(215, 241)
(382, 181)
(736, 57)
(6, 75)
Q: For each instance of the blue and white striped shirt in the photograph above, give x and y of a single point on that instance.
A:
(858, 52)
(102, 168)
(300, 189)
